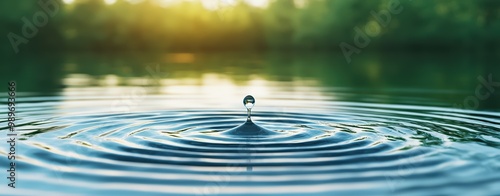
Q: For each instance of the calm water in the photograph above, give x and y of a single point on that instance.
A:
(158, 125)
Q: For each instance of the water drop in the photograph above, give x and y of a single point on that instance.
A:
(249, 129)
(249, 102)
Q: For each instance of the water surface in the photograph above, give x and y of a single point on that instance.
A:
(158, 125)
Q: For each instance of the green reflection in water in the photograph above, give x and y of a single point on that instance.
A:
(444, 79)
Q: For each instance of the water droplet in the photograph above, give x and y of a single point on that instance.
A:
(249, 101)
(249, 129)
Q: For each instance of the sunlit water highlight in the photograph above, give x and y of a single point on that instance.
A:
(83, 142)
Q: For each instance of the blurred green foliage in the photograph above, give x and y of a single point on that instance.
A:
(91, 25)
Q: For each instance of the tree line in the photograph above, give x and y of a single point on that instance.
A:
(309, 25)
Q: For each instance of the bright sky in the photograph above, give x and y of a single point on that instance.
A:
(209, 4)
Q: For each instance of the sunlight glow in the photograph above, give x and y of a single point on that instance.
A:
(212, 4)
(258, 3)
(300, 3)
(110, 2)
(215, 4)
(207, 4)
(68, 1)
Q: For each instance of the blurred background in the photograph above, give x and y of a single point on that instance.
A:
(362, 97)
(218, 25)
(426, 52)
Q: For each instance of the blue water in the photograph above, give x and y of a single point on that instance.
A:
(321, 127)
(81, 143)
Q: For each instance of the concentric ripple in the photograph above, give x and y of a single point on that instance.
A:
(346, 148)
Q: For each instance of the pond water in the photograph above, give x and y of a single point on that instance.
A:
(161, 125)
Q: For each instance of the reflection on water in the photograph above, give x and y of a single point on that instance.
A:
(164, 124)
(399, 78)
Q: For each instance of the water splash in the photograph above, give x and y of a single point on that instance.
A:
(249, 129)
